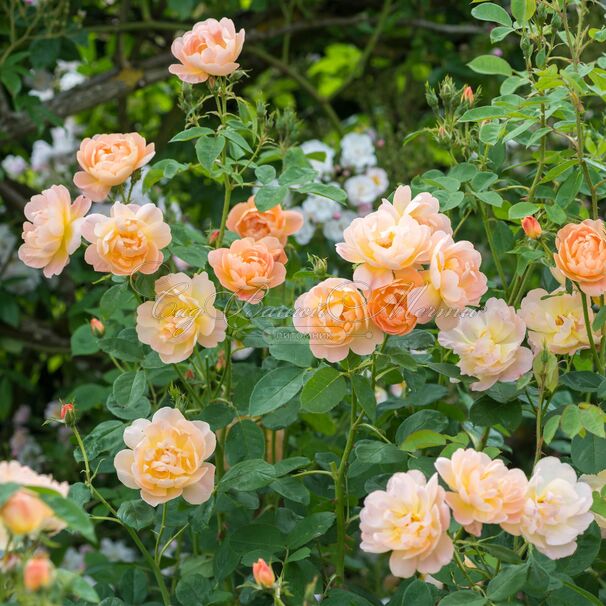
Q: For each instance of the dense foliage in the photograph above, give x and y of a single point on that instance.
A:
(305, 305)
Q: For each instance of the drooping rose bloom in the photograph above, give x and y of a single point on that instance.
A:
(245, 220)
(484, 491)
(24, 513)
(556, 320)
(263, 574)
(597, 483)
(423, 208)
(452, 282)
(488, 343)
(182, 315)
(410, 518)
(109, 160)
(53, 229)
(581, 255)
(334, 314)
(388, 305)
(209, 49)
(249, 267)
(556, 510)
(166, 458)
(130, 240)
(38, 572)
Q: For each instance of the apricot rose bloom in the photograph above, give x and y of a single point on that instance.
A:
(335, 316)
(488, 344)
(249, 267)
(388, 305)
(597, 483)
(24, 514)
(556, 509)
(246, 220)
(452, 282)
(410, 518)
(581, 255)
(52, 231)
(209, 49)
(182, 315)
(484, 491)
(109, 160)
(130, 240)
(555, 320)
(166, 458)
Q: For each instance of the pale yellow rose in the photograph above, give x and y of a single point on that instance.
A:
(166, 458)
(556, 511)
(182, 315)
(410, 518)
(130, 240)
(52, 230)
(484, 491)
(556, 320)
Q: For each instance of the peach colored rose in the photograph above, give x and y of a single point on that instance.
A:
(245, 220)
(182, 315)
(209, 49)
(423, 208)
(166, 458)
(556, 509)
(128, 241)
(335, 316)
(556, 320)
(388, 305)
(52, 232)
(581, 255)
(109, 160)
(452, 282)
(249, 267)
(488, 344)
(531, 227)
(263, 574)
(24, 513)
(38, 572)
(597, 483)
(410, 518)
(484, 491)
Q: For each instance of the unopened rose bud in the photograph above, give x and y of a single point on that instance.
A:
(531, 227)
(38, 572)
(468, 96)
(319, 265)
(97, 327)
(24, 513)
(263, 574)
(213, 236)
(68, 413)
(189, 374)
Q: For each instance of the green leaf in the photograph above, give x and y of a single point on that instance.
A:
(133, 586)
(365, 395)
(275, 389)
(259, 536)
(136, 514)
(269, 196)
(191, 133)
(129, 387)
(208, 150)
(248, 475)
(72, 584)
(488, 112)
(486, 413)
(310, 528)
(465, 597)
(245, 440)
(193, 589)
(508, 582)
(84, 342)
(423, 419)
(571, 420)
(490, 65)
(323, 391)
(492, 12)
(419, 594)
(165, 169)
(582, 380)
(265, 174)
(424, 438)
(588, 547)
(522, 209)
(286, 344)
(69, 511)
(592, 419)
(550, 428)
(327, 191)
(291, 488)
(588, 453)
(523, 10)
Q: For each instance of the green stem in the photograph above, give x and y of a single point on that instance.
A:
(596, 358)
(157, 553)
(491, 244)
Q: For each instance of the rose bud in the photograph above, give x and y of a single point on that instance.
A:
(468, 95)
(68, 413)
(24, 513)
(97, 327)
(38, 572)
(531, 227)
(263, 574)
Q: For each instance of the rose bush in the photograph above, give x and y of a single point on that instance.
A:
(413, 416)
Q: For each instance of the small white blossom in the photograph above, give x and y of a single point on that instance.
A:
(324, 168)
(319, 208)
(357, 151)
(361, 190)
(379, 178)
(306, 233)
(14, 165)
(333, 230)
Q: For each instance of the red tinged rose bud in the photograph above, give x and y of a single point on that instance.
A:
(263, 574)
(68, 414)
(468, 95)
(189, 374)
(38, 572)
(97, 327)
(213, 236)
(65, 409)
(531, 227)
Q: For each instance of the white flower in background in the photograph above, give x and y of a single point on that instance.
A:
(320, 209)
(14, 166)
(240, 351)
(324, 168)
(117, 551)
(357, 151)
(379, 178)
(333, 229)
(361, 190)
(60, 153)
(69, 74)
(306, 233)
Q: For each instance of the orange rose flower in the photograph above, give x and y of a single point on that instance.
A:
(245, 220)
(38, 572)
(581, 255)
(249, 267)
(109, 160)
(388, 305)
